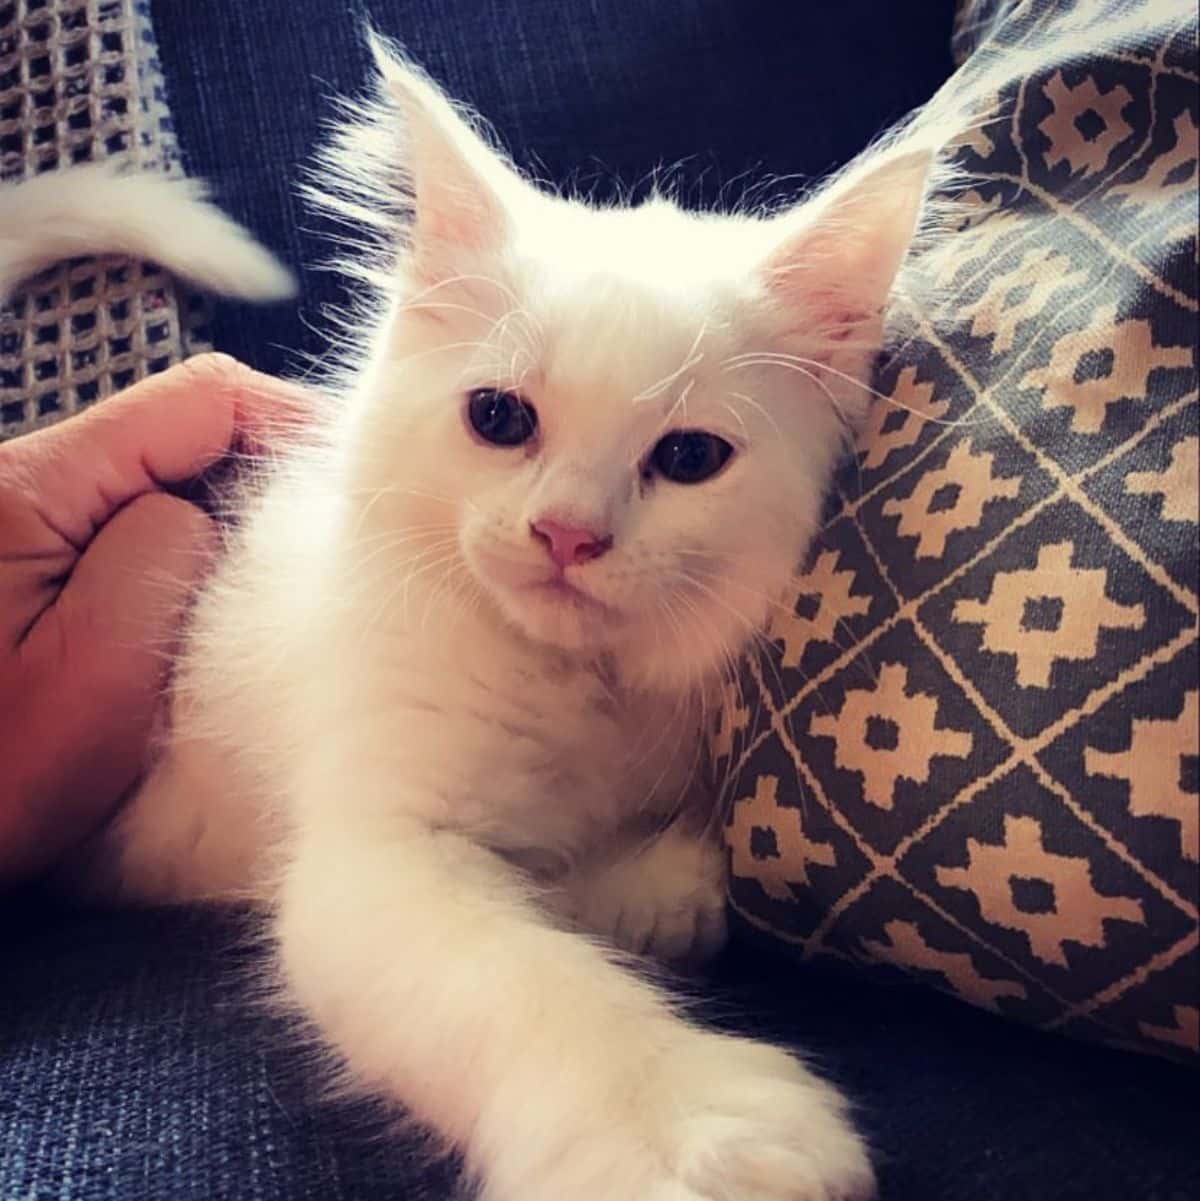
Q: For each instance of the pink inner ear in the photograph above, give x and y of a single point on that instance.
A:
(448, 215)
(823, 280)
(450, 222)
(455, 178)
(837, 320)
(832, 273)
(822, 314)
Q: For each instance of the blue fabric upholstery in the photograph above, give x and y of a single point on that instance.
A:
(135, 1067)
(132, 1065)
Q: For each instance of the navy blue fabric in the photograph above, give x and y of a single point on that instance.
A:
(598, 93)
(135, 1067)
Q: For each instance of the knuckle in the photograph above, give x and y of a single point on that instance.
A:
(212, 367)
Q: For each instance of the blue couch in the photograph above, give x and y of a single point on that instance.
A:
(132, 1065)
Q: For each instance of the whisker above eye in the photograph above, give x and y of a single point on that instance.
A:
(732, 411)
(758, 408)
(465, 278)
(807, 366)
(692, 359)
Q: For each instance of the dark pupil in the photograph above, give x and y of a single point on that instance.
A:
(688, 458)
(503, 418)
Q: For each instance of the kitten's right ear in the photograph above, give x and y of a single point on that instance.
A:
(837, 260)
(459, 183)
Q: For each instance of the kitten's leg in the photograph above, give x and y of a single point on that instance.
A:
(195, 830)
(660, 894)
(561, 1076)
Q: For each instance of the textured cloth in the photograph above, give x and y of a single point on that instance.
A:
(80, 82)
(973, 749)
(133, 1067)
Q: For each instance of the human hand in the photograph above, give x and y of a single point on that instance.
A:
(97, 562)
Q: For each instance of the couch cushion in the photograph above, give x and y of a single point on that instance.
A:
(971, 750)
(137, 1063)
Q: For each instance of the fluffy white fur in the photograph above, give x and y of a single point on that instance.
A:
(439, 767)
(98, 209)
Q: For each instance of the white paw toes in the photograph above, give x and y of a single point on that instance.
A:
(769, 1132)
(722, 1119)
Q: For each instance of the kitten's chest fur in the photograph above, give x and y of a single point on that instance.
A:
(541, 758)
(534, 754)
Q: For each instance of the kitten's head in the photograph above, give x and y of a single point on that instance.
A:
(612, 427)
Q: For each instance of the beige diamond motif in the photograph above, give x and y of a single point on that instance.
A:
(916, 740)
(1179, 485)
(763, 812)
(1083, 611)
(1153, 767)
(1079, 911)
(1042, 271)
(731, 718)
(1153, 186)
(976, 209)
(1129, 356)
(832, 590)
(1185, 1033)
(977, 134)
(1072, 108)
(979, 138)
(969, 475)
(906, 946)
(917, 399)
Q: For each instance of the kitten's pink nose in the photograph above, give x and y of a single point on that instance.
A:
(569, 544)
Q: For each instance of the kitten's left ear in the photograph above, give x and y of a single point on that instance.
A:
(459, 183)
(836, 261)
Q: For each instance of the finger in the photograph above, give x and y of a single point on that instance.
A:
(102, 651)
(165, 429)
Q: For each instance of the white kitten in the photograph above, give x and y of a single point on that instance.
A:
(99, 209)
(448, 684)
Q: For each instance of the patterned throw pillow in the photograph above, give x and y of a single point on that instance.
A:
(972, 748)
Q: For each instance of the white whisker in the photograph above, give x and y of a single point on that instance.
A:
(807, 366)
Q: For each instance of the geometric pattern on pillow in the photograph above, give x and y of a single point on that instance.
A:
(971, 746)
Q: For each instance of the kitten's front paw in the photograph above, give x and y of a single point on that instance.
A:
(745, 1121)
(718, 1119)
(665, 900)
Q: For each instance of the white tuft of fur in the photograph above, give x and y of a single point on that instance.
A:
(662, 895)
(100, 209)
(430, 761)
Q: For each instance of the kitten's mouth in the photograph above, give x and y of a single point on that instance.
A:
(548, 604)
(560, 589)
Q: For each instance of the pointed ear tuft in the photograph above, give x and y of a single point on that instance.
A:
(459, 182)
(837, 258)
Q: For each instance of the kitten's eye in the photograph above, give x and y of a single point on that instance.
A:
(690, 456)
(502, 418)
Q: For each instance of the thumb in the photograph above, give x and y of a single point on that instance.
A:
(110, 635)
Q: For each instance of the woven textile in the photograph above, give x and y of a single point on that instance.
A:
(80, 82)
(973, 750)
(135, 1067)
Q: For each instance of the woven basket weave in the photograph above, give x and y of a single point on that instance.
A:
(80, 82)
